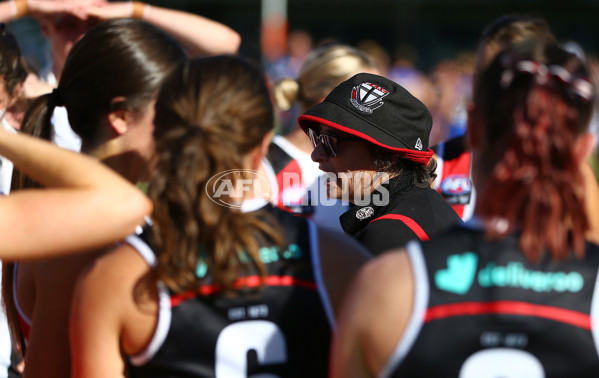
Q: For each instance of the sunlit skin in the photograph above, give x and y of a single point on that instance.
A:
(129, 146)
(352, 172)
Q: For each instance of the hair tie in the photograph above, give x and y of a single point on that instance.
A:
(541, 73)
(55, 99)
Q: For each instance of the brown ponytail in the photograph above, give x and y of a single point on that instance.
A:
(209, 115)
(36, 122)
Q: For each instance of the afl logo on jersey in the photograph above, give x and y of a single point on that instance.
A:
(457, 189)
(367, 97)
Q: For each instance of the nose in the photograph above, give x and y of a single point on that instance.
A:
(318, 154)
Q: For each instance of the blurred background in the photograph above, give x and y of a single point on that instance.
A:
(427, 31)
(425, 45)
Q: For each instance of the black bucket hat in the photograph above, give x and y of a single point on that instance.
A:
(379, 111)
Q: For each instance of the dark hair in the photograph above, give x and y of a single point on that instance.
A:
(422, 176)
(210, 114)
(12, 67)
(509, 28)
(533, 101)
(119, 57)
(505, 31)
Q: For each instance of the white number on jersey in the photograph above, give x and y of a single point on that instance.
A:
(502, 362)
(235, 340)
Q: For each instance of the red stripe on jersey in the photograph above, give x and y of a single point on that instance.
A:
(250, 281)
(408, 222)
(575, 318)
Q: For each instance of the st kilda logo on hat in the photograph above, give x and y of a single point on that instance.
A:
(367, 97)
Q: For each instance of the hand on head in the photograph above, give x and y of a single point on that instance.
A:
(77, 8)
(106, 11)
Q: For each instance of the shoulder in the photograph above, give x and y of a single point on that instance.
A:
(340, 258)
(380, 277)
(111, 277)
(378, 306)
(333, 242)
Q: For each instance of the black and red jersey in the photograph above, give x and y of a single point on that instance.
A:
(398, 212)
(454, 182)
(482, 309)
(281, 329)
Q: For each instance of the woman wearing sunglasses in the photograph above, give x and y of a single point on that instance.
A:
(296, 181)
(370, 136)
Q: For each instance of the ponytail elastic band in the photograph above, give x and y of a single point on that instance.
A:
(55, 99)
(542, 73)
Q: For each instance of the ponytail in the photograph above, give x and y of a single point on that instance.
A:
(534, 111)
(192, 232)
(537, 185)
(37, 122)
(286, 92)
(38, 117)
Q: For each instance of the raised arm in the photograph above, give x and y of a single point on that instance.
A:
(15, 9)
(85, 204)
(200, 35)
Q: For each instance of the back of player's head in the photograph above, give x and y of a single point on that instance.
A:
(506, 31)
(211, 116)
(324, 68)
(120, 58)
(533, 102)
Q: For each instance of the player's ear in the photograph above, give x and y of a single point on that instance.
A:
(119, 116)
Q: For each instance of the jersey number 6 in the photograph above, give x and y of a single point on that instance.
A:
(236, 340)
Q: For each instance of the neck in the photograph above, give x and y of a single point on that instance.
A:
(126, 163)
(258, 186)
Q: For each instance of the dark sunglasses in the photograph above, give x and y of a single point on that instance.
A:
(329, 142)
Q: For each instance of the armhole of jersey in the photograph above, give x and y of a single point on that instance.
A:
(421, 297)
(164, 306)
(142, 248)
(595, 314)
(322, 290)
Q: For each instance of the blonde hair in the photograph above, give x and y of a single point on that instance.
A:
(325, 68)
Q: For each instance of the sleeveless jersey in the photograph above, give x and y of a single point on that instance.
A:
(291, 184)
(22, 318)
(482, 310)
(282, 329)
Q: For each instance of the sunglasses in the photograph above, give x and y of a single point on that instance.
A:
(329, 142)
